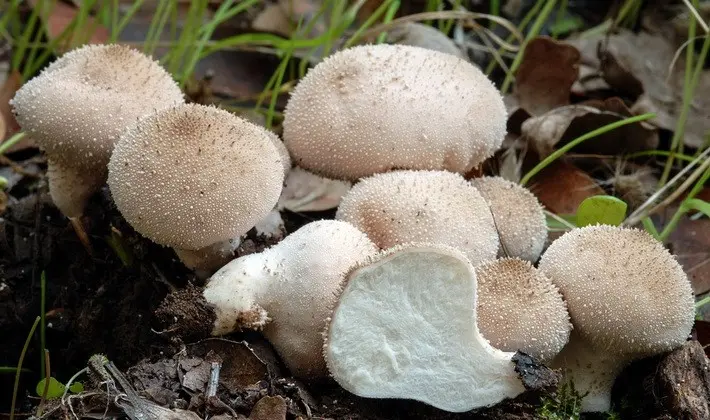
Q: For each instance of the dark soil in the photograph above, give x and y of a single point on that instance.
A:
(108, 302)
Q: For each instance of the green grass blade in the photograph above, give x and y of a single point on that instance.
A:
(567, 147)
(16, 386)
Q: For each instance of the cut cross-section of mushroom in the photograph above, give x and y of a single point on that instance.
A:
(405, 327)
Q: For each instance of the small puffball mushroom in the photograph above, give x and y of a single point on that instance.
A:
(422, 206)
(627, 297)
(374, 108)
(405, 327)
(289, 290)
(520, 309)
(283, 152)
(195, 178)
(78, 106)
(518, 215)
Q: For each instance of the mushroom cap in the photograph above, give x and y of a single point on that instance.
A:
(520, 309)
(405, 327)
(193, 175)
(374, 108)
(77, 107)
(518, 215)
(624, 291)
(295, 284)
(422, 206)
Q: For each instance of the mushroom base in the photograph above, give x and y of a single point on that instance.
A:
(207, 260)
(591, 370)
(71, 188)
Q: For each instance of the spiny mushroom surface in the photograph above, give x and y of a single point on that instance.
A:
(518, 215)
(78, 106)
(195, 178)
(289, 289)
(422, 206)
(627, 297)
(520, 309)
(374, 108)
(405, 327)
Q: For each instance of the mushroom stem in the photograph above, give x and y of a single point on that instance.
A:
(208, 259)
(71, 187)
(237, 311)
(591, 370)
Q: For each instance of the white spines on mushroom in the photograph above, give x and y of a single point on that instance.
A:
(78, 106)
(422, 206)
(518, 215)
(374, 108)
(627, 297)
(519, 308)
(195, 178)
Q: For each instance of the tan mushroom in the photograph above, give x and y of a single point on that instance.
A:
(195, 178)
(520, 309)
(627, 297)
(422, 206)
(79, 105)
(519, 217)
(374, 108)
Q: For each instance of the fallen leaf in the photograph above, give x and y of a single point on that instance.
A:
(562, 125)
(241, 367)
(272, 19)
(8, 124)
(601, 209)
(60, 15)
(690, 242)
(269, 408)
(424, 36)
(306, 191)
(546, 74)
(561, 187)
(637, 64)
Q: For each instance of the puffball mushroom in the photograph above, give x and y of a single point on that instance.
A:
(289, 289)
(627, 297)
(519, 308)
(374, 108)
(422, 206)
(78, 106)
(405, 327)
(518, 215)
(195, 178)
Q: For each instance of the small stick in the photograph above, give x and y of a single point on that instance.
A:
(81, 234)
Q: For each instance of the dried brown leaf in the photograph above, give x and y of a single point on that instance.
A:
(546, 74)
(562, 125)
(638, 65)
(60, 15)
(269, 408)
(561, 187)
(690, 242)
(305, 191)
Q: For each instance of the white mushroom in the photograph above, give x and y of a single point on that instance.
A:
(520, 309)
(518, 215)
(405, 327)
(79, 105)
(627, 297)
(374, 108)
(195, 178)
(289, 290)
(422, 206)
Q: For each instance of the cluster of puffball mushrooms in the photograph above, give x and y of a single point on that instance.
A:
(423, 286)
